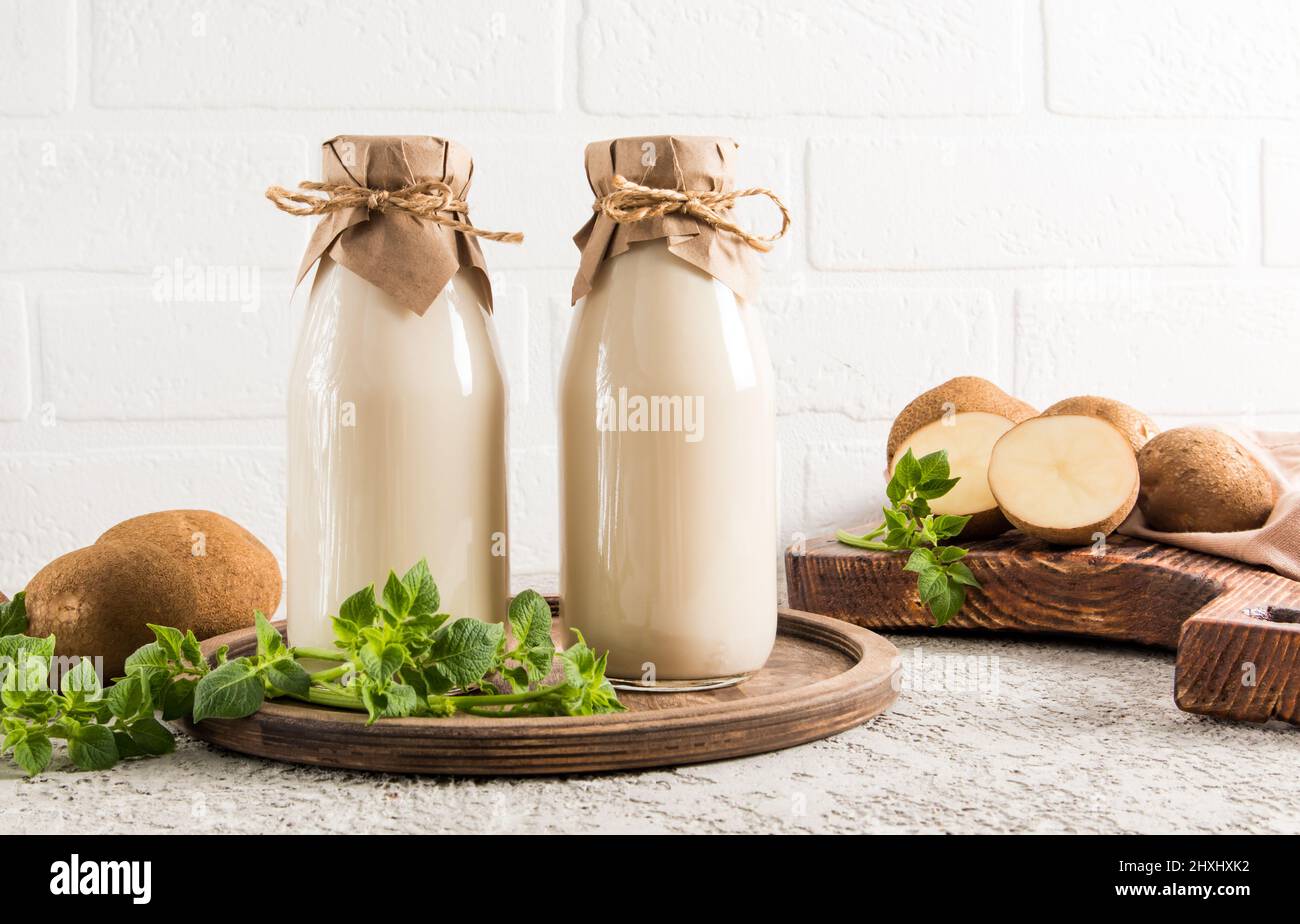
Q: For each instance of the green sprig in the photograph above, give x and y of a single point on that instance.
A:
(395, 655)
(910, 526)
(100, 727)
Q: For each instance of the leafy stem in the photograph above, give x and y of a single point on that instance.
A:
(333, 673)
(909, 525)
(395, 656)
(304, 652)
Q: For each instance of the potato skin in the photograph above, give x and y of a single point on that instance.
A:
(1077, 535)
(97, 601)
(235, 575)
(964, 393)
(1198, 479)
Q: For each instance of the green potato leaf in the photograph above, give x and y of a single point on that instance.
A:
(192, 651)
(231, 691)
(936, 487)
(92, 747)
(81, 681)
(13, 615)
(933, 466)
(962, 574)
(178, 698)
(146, 656)
(288, 676)
(920, 560)
(169, 640)
(151, 736)
(424, 592)
(269, 641)
(463, 651)
(400, 701)
(948, 554)
(380, 664)
(530, 621)
(358, 611)
(949, 525)
(931, 584)
(129, 697)
(908, 471)
(126, 748)
(14, 647)
(397, 596)
(945, 604)
(33, 753)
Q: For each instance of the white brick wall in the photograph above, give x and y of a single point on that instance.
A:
(38, 48)
(1066, 196)
(56, 502)
(1173, 57)
(923, 202)
(384, 54)
(131, 201)
(1282, 202)
(15, 349)
(141, 354)
(773, 57)
(1167, 350)
(831, 356)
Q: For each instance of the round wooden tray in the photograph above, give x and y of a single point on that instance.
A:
(824, 676)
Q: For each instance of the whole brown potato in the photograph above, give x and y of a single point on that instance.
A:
(232, 572)
(1197, 479)
(98, 600)
(191, 569)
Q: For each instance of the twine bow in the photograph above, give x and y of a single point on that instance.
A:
(429, 201)
(630, 202)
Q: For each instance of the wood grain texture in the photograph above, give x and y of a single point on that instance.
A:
(1135, 592)
(823, 677)
(1242, 662)
(1213, 611)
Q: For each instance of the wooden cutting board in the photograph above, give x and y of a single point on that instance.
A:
(824, 676)
(1235, 621)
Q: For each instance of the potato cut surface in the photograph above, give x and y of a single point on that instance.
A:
(969, 439)
(1063, 472)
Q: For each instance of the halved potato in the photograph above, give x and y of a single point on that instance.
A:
(964, 416)
(1066, 478)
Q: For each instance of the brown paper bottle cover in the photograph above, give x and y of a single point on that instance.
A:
(410, 259)
(665, 162)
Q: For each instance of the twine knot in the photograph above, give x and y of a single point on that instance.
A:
(432, 201)
(631, 202)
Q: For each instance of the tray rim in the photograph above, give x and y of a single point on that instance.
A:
(836, 703)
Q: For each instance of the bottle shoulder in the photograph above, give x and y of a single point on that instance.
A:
(658, 321)
(354, 331)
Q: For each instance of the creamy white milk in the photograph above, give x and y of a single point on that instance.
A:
(667, 484)
(397, 450)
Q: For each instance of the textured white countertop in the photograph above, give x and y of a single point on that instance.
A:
(1053, 737)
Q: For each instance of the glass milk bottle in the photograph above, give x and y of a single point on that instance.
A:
(397, 403)
(667, 429)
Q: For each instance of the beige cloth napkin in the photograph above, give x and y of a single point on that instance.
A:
(1276, 543)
